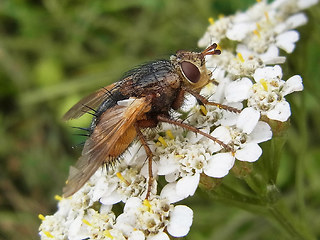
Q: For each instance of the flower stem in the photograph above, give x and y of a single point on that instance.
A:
(275, 211)
(281, 216)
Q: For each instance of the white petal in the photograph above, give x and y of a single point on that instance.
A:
(75, 225)
(243, 49)
(126, 223)
(208, 89)
(287, 39)
(172, 177)
(205, 40)
(132, 203)
(238, 90)
(281, 112)
(249, 153)
(261, 133)
(187, 185)
(218, 96)
(134, 151)
(219, 165)
(241, 17)
(230, 118)
(239, 31)
(145, 168)
(159, 236)
(280, 28)
(100, 188)
(188, 103)
(111, 199)
(167, 164)
(177, 191)
(271, 56)
(137, 235)
(248, 119)
(222, 133)
(274, 60)
(218, 73)
(105, 209)
(126, 219)
(293, 84)
(277, 4)
(169, 192)
(194, 137)
(268, 73)
(303, 4)
(180, 221)
(297, 20)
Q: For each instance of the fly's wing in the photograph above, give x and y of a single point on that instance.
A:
(113, 125)
(91, 101)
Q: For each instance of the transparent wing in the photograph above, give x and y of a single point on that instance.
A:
(91, 101)
(112, 135)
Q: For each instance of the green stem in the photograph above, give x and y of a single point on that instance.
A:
(228, 195)
(281, 216)
(300, 165)
(276, 211)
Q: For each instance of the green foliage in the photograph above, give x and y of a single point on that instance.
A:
(54, 52)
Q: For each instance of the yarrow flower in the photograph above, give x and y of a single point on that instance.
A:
(247, 81)
(140, 219)
(267, 94)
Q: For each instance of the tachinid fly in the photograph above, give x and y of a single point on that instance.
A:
(154, 89)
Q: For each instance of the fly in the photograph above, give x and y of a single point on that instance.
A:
(153, 90)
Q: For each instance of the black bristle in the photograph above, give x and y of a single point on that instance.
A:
(110, 95)
(81, 134)
(92, 109)
(84, 129)
(95, 115)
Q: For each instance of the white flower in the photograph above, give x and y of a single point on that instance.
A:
(239, 30)
(215, 32)
(122, 185)
(267, 95)
(152, 217)
(245, 138)
(261, 27)
(240, 66)
(269, 91)
(270, 56)
(292, 22)
(76, 223)
(180, 221)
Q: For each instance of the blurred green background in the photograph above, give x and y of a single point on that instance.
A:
(53, 52)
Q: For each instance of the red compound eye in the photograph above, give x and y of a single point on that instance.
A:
(190, 71)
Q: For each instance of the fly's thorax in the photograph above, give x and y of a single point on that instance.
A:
(191, 68)
(149, 78)
(158, 80)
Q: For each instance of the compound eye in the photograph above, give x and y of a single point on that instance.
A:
(190, 71)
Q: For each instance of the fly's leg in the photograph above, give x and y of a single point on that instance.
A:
(143, 141)
(205, 101)
(180, 123)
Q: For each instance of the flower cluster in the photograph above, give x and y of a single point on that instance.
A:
(247, 77)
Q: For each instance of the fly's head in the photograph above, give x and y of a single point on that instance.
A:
(191, 66)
